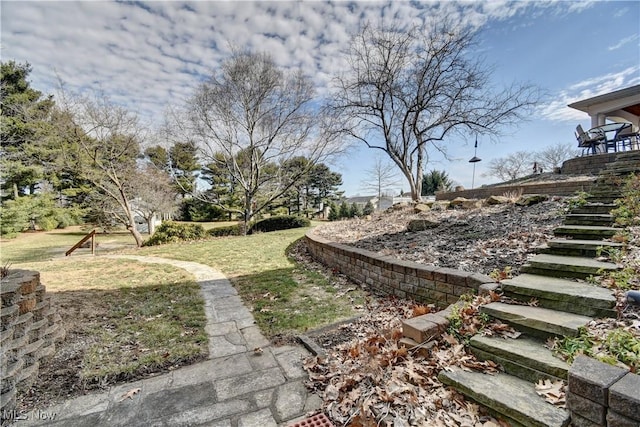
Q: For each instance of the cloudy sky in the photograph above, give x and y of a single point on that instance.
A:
(147, 55)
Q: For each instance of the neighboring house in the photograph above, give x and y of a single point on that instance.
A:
(361, 201)
(379, 204)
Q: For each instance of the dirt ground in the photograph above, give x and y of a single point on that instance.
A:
(476, 240)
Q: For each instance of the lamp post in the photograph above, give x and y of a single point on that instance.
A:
(474, 160)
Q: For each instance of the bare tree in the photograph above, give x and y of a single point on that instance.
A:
(105, 145)
(155, 194)
(513, 166)
(380, 177)
(407, 91)
(553, 156)
(252, 117)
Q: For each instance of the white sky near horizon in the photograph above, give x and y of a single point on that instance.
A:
(148, 55)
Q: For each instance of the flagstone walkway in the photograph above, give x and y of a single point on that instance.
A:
(237, 386)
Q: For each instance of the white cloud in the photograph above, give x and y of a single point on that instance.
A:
(624, 41)
(150, 54)
(557, 109)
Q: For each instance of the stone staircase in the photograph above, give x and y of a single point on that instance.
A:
(564, 303)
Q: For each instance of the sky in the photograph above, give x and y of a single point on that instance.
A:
(148, 55)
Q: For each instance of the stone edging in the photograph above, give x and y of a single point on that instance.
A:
(29, 331)
(390, 276)
(603, 395)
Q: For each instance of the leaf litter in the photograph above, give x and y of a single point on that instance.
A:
(372, 380)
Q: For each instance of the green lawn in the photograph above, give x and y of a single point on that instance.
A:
(285, 297)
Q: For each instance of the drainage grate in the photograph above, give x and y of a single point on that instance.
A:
(318, 420)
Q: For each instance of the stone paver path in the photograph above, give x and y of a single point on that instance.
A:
(236, 386)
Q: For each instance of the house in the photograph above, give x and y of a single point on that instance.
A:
(379, 203)
(619, 106)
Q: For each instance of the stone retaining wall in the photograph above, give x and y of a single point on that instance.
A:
(390, 276)
(561, 188)
(29, 330)
(602, 395)
(587, 165)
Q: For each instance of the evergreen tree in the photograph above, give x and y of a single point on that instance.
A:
(355, 211)
(345, 212)
(24, 113)
(368, 208)
(334, 215)
(435, 181)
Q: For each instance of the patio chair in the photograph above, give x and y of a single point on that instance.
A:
(627, 137)
(588, 142)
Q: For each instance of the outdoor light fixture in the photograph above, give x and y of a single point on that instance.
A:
(475, 159)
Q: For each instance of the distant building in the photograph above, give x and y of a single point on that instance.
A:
(379, 204)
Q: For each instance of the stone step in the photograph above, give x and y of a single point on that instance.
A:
(586, 232)
(601, 199)
(606, 189)
(588, 219)
(561, 294)
(524, 357)
(625, 155)
(624, 168)
(566, 266)
(509, 396)
(594, 208)
(537, 321)
(573, 247)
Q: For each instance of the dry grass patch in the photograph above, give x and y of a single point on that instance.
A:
(124, 320)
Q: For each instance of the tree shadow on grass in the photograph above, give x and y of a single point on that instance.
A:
(117, 336)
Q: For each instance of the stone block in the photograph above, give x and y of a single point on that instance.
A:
(615, 419)
(425, 273)
(438, 297)
(421, 348)
(419, 329)
(591, 379)
(624, 397)
(425, 327)
(486, 288)
(458, 277)
(579, 421)
(475, 280)
(452, 299)
(586, 408)
(444, 287)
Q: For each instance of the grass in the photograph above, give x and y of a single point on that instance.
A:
(45, 245)
(146, 318)
(285, 297)
(138, 318)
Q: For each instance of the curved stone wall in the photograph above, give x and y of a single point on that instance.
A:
(29, 330)
(390, 276)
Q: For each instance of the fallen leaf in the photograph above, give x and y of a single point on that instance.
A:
(130, 394)
(553, 392)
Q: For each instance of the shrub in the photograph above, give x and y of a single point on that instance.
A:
(368, 208)
(229, 230)
(172, 232)
(279, 223)
(627, 212)
(40, 210)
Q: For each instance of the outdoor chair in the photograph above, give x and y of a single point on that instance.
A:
(588, 142)
(628, 138)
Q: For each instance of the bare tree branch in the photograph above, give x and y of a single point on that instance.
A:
(407, 90)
